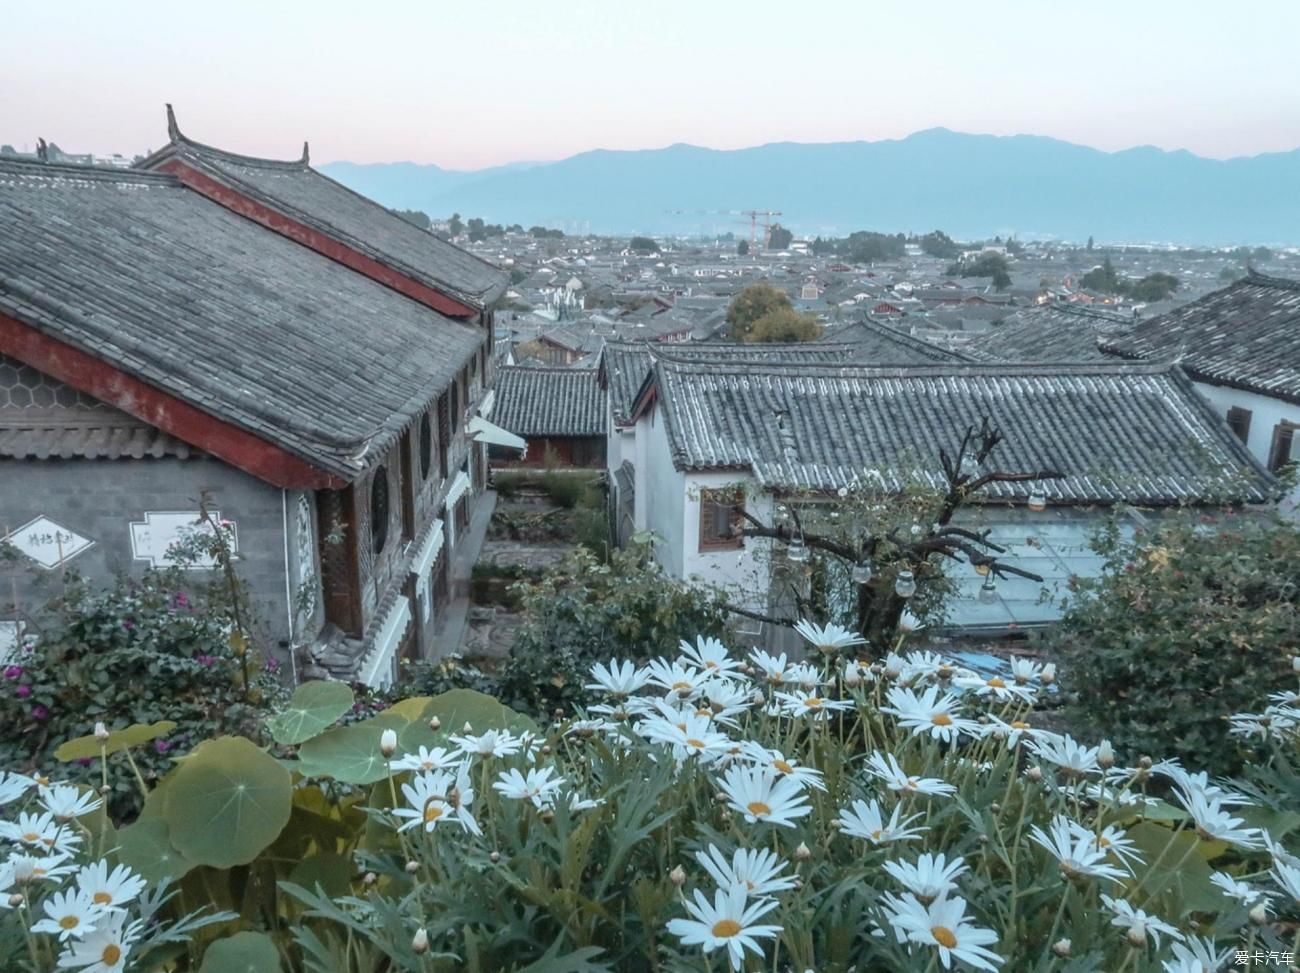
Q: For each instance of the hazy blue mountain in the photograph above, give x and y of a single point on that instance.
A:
(967, 185)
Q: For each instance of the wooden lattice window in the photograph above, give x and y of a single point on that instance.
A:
(720, 520)
(1283, 450)
(444, 432)
(379, 510)
(426, 446)
(1239, 423)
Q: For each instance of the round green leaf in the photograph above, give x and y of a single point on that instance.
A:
(312, 710)
(244, 952)
(454, 709)
(331, 871)
(350, 754)
(146, 847)
(88, 747)
(226, 802)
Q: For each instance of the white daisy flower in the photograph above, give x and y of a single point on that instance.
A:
(934, 712)
(493, 743)
(579, 803)
(1013, 732)
(437, 797)
(811, 705)
(771, 668)
(69, 914)
(760, 795)
(1214, 822)
(105, 950)
(828, 638)
(885, 767)
(1287, 876)
(26, 869)
(691, 735)
(1114, 840)
(109, 890)
(857, 672)
(942, 924)
(1136, 923)
(1199, 782)
(1024, 671)
(804, 675)
(1271, 724)
(1197, 955)
(538, 785)
(727, 697)
(894, 666)
(1239, 891)
(930, 877)
(1075, 849)
(995, 687)
(782, 765)
(708, 654)
(926, 666)
(756, 871)
(13, 786)
(684, 682)
(618, 679)
(864, 819)
(1071, 757)
(439, 758)
(590, 728)
(730, 922)
(40, 831)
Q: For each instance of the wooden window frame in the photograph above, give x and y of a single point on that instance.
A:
(1239, 422)
(1283, 431)
(711, 502)
(444, 433)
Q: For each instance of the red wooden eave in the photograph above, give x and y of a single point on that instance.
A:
(185, 422)
(313, 239)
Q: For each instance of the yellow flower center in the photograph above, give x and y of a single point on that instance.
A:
(1103, 842)
(813, 701)
(102, 898)
(782, 766)
(681, 685)
(710, 665)
(758, 807)
(111, 955)
(875, 835)
(943, 936)
(1019, 725)
(38, 872)
(69, 922)
(726, 928)
(31, 836)
(703, 712)
(997, 683)
(941, 719)
(432, 813)
(697, 744)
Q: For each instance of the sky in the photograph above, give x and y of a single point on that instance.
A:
(486, 82)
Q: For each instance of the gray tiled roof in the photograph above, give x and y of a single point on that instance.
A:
(1246, 336)
(549, 402)
(1139, 434)
(625, 365)
(299, 191)
(1057, 332)
(877, 343)
(242, 323)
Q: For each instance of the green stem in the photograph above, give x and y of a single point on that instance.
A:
(139, 777)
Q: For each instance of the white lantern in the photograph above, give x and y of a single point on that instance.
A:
(905, 584)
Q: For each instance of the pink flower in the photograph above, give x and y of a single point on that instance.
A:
(205, 660)
(13, 672)
(39, 712)
(23, 691)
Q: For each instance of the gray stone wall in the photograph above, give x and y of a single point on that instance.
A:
(101, 499)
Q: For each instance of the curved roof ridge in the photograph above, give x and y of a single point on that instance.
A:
(1253, 276)
(179, 138)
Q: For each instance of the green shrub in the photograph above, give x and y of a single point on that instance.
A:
(1190, 622)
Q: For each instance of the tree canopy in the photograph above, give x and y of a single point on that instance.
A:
(642, 244)
(417, 217)
(742, 248)
(751, 304)
(939, 244)
(785, 324)
(778, 238)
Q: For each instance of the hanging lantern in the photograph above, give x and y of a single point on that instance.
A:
(1037, 502)
(797, 550)
(988, 591)
(905, 584)
(970, 467)
(862, 572)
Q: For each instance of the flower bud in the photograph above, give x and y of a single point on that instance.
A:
(420, 941)
(412, 867)
(467, 728)
(678, 876)
(1034, 773)
(1062, 947)
(370, 878)
(802, 853)
(1048, 675)
(435, 724)
(101, 732)
(1136, 936)
(105, 790)
(1105, 755)
(1295, 663)
(1145, 762)
(15, 900)
(548, 816)
(1259, 914)
(388, 743)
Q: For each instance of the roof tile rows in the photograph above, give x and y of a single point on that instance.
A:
(1057, 332)
(549, 402)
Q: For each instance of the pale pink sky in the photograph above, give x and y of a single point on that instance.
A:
(484, 82)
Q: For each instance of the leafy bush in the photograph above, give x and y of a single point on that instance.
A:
(141, 652)
(586, 610)
(1188, 624)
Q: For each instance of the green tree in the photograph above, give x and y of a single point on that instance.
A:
(778, 237)
(1102, 279)
(476, 230)
(751, 304)
(939, 244)
(785, 324)
(1153, 287)
(642, 244)
(1001, 280)
(1189, 623)
(417, 217)
(742, 248)
(985, 265)
(1089, 247)
(1261, 255)
(455, 224)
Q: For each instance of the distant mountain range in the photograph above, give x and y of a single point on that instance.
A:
(970, 186)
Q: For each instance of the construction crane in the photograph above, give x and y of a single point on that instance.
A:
(752, 214)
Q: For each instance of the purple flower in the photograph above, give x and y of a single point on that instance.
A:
(272, 665)
(205, 660)
(85, 761)
(13, 672)
(39, 712)
(161, 745)
(128, 625)
(23, 691)
(179, 600)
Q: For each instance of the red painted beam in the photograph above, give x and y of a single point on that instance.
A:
(274, 220)
(88, 374)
